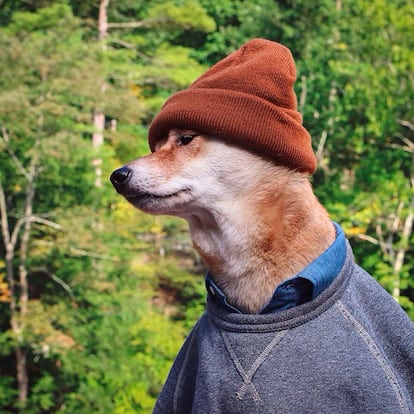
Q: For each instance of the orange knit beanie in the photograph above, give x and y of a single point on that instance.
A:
(246, 99)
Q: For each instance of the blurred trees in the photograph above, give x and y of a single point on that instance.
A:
(365, 140)
(69, 290)
(95, 297)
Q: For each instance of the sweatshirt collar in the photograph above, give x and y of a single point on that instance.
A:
(303, 287)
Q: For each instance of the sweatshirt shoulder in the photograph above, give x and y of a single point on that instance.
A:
(374, 315)
(364, 295)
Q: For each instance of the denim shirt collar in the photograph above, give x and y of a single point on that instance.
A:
(303, 287)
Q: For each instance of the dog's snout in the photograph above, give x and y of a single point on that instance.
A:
(120, 177)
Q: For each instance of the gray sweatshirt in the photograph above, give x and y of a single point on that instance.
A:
(349, 350)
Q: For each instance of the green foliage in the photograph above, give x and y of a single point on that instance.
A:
(181, 15)
(45, 19)
(112, 291)
(8, 393)
(365, 90)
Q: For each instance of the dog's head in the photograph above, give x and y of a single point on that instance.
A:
(188, 173)
(246, 106)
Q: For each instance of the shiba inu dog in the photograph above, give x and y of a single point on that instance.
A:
(292, 323)
(254, 223)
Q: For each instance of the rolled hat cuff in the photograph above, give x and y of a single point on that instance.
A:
(241, 119)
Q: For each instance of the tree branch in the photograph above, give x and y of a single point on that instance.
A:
(59, 281)
(303, 93)
(64, 285)
(6, 139)
(82, 252)
(407, 124)
(136, 24)
(128, 45)
(3, 217)
(409, 145)
(367, 238)
(9, 244)
(37, 219)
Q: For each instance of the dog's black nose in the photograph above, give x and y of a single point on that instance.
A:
(120, 177)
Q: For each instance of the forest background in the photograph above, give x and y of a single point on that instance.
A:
(95, 297)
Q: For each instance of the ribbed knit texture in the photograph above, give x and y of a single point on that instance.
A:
(248, 100)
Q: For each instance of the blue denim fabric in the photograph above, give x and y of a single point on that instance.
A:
(303, 287)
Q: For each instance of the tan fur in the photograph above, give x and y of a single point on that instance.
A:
(254, 223)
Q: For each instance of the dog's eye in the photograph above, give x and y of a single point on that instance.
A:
(185, 139)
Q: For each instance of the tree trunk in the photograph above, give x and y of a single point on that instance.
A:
(97, 141)
(401, 251)
(18, 304)
(21, 368)
(103, 19)
(19, 296)
(98, 115)
(22, 377)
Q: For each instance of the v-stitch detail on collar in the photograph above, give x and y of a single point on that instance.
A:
(247, 376)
